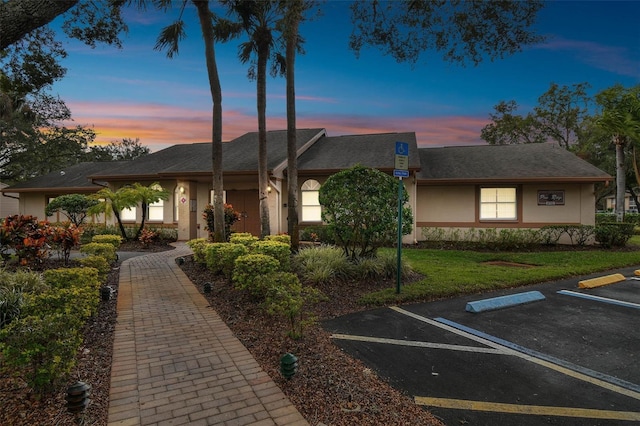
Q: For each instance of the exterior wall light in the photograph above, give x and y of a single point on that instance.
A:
(182, 189)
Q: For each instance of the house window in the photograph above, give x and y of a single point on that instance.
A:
(498, 204)
(311, 210)
(128, 214)
(156, 210)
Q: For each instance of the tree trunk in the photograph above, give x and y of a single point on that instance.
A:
(206, 25)
(263, 173)
(620, 179)
(19, 17)
(294, 15)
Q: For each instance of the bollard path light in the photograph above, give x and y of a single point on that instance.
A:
(288, 365)
(78, 399)
(207, 287)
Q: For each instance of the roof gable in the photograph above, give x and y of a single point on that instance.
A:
(342, 152)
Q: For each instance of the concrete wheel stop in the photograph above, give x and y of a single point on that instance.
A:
(503, 301)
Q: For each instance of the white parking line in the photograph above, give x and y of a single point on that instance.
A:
(564, 367)
(600, 299)
(413, 343)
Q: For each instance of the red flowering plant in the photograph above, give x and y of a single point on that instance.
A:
(230, 217)
(28, 237)
(147, 236)
(64, 238)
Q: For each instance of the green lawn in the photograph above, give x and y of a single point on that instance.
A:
(449, 273)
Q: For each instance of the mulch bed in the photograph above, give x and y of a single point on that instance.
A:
(329, 388)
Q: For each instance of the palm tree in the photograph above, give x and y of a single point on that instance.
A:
(621, 119)
(292, 17)
(258, 19)
(169, 39)
(110, 201)
(147, 195)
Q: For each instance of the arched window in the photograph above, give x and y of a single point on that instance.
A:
(156, 210)
(311, 210)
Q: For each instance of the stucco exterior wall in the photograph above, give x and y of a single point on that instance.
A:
(456, 207)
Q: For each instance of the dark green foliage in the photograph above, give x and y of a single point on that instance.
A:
(614, 234)
(230, 217)
(360, 205)
(74, 206)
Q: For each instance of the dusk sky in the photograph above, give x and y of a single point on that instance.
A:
(137, 92)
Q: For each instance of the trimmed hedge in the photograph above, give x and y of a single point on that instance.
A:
(114, 240)
(249, 270)
(106, 250)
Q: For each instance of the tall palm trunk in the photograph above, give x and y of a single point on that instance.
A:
(620, 178)
(263, 176)
(206, 25)
(293, 21)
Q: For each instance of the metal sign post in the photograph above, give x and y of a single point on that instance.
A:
(401, 170)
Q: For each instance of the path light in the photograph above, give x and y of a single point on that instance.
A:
(207, 287)
(78, 399)
(105, 292)
(288, 365)
(180, 260)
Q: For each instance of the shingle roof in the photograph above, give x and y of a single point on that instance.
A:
(73, 178)
(513, 163)
(341, 152)
(238, 156)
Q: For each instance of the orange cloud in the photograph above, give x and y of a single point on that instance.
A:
(158, 126)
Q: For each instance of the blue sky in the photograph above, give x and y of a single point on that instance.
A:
(137, 92)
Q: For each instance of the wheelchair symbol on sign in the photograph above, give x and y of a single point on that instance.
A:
(402, 148)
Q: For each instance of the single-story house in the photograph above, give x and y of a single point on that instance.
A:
(481, 186)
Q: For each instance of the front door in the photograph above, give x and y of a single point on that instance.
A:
(248, 205)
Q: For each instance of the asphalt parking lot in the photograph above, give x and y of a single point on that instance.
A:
(572, 358)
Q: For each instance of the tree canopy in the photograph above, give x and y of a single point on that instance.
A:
(462, 30)
(360, 205)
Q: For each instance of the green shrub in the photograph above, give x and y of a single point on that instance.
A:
(550, 234)
(40, 349)
(323, 264)
(318, 234)
(579, 234)
(614, 234)
(229, 252)
(249, 271)
(243, 238)
(114, 240)
(213, 258)
(71, 277)
(198, 247)
(74, 292)
(23, 280)
(11, 301)
(277, 250)
(286, 296)
(98, 262)
(281, 238)
(108, 251)
(386, 266)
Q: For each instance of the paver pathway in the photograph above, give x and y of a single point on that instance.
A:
(175, 362)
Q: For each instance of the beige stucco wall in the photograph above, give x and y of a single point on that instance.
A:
(454, 207)
(445, 204)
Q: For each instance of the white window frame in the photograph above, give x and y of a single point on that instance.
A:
(498, 203)
(156, 208)
(310, 209)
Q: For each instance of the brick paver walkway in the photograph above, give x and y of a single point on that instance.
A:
(175, 362)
